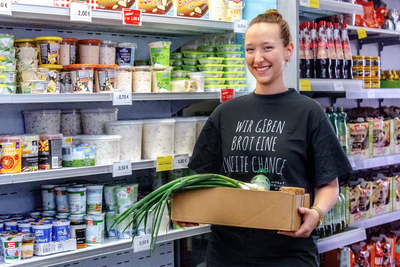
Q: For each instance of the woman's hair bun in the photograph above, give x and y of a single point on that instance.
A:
(274, 12)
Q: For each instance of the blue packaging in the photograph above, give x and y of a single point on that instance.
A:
(61, 230)
(1, 226)
(43, 232)
(11, 226)
(24, 227)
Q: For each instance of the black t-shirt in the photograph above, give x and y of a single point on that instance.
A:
(287, 134)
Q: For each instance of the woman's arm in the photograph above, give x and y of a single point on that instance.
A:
(325, 198)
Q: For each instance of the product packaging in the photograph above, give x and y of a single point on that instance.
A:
(361, 138)
(358, 201)
(94, 199)
(381, 201)
(117, 5)
(50, 151)
(11, 247)
(193, 9)
(78, 156)
(10, 154)
(158, 7)
(395, 193)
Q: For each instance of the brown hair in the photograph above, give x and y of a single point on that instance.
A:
(273, 16)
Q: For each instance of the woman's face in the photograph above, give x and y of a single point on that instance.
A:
(265, 54)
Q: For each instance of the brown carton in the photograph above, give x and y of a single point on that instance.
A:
(237, 207)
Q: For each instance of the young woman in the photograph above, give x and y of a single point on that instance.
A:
(277, 129)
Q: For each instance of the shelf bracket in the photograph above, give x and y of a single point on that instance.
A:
(380, 48)
(359, 46)
(380, 102)
(359, 101)
(333, 100)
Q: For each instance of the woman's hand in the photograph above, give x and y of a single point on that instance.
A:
(310, 221)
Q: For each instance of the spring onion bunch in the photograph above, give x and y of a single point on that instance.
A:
(159, 199)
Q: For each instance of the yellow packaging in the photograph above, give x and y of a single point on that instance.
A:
(157, 7)
(234, 10)
(10, 156)
(193, 8)
(375, 83)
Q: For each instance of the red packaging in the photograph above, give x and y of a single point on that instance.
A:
(380, 15)
(378, 255)
(362, 258)
(397, 252)
(369, 14)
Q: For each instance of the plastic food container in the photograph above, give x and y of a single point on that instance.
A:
(89, 51)
(126, 54)
(178, 85)
(176, 56)
(60, 231)
(190, 61)
(200, 122)
(141, 79)
(234, 67)
(27, 63)
(62, 199)
(26, 52)
(158, 138)
(123, 79)
(367, 60)
(68, 51)
(211, 67)
(53, 84)
(185, 135)
(81, 78)
(71, 122)
(159, 53)
(131, 138)
(43, 232)
(194, 54)
(237, 87)
(125, 228)
(93, 120)
(211, 60)
(107, 147)
(234, 74)
(108, 52)
(35, 87)
(49, 197)
(177, 68)
(42, 121)
(30, 152)
(10, 155)
(189, 68)
(77, 200)
(28, 240)
(8, 88)
(105, 77)
(229, 48)
(49, 49)
(11, 247)
(9, 63)
(24, 43)
(161, 80)
(50, 151)
(94, 198)
(63, 216)
(207, 48)
(94, 229)
(230, 54)
(8, 76)
(76, 219)
(78, 232)
(234, 61)
(179, 74)
(49, 213)
(175, 62)
(34, 74)
(7, 40)
(213, 74)
(65, 81)
(199, 77)
(231, 81)
(111, 228)
(214, 81)
(213, 88)
(11, 225)
(24, 227)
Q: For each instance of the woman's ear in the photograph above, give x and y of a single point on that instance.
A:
(289, 51)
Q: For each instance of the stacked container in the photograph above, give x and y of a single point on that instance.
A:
(8, 63)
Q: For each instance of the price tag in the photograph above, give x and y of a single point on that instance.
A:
(181, 161)
(132, 16)
(122, 168)
(122, 98)
(240, 26)
(361, 33)
(314, 3)
(338, 86)
(141, 243)
(5, 7)
(80, 12)
(164, 163)
(371, 94)
(227, 94)
(352, 162)
(305, 3)
(305, 85)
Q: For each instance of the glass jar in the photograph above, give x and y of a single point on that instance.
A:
(358, 72)
(367, 71)
(124, 78)
(68, 51)
(375, 61)
(358, 61)
(375, 82)
(375, 71)
(89, 51)
(107, 52)
(367, 82)
(367, 60)
(49, 49)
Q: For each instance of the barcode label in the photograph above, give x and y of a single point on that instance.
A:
(11, 77)
(55, 162)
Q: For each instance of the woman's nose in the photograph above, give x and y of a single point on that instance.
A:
(258, 57)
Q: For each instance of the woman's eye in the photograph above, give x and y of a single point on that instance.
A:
(268, 47)
(249, 49)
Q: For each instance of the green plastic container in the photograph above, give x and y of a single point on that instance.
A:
(214, 74)
(211, 60)
(234, 67)
(208, 48)
(232, 81)
(234, 74)
(211, 67)
(189, 68)
(231, 54)
(229, 48)
(234, 61)
(175, 62)
(190, 61)
(179, 74)
(176, 56)
(214, 81)
(194, 54)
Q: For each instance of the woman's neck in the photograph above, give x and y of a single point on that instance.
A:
(270, 89)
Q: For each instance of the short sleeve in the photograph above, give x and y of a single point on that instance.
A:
(207, 153)
(326, 154)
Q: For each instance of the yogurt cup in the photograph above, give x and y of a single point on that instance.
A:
(185, 135)
(43, 232)
(49, 214)
(158, 138)
(42, 121)
(161, 80)
(107, 147)
(160, 53)
(62, 216)
(94, 229)
(62, 199)
(25, 227)
(77, 200)
(11, 226)
(94, 198)
(125, 54)
(199, 77)
(127, 195)
(35, 214)
(49, 197)
(61, 230)
(93, 120)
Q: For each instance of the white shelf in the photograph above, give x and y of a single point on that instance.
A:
(330, 7)
(372, 31)
(378, 220)
(358, 163)
(110, 21)
(343, 239)
(109, 246)
(373, 94)
(324, 85)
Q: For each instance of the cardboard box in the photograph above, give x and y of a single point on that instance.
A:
(193, 8)
(157, 7)
(237, 207)
(358, 205)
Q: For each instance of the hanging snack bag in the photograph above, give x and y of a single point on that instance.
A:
(360, 138)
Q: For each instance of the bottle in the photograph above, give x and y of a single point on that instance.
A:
(301, 52)
(339, 51)
(321, 229)
(332, 117)
(308, 51)
(261, 179)
(332, 51)
(314, 44)
(342, 128)
(347, 58)
(323, 62)
(328, 224)
(343, 209)
(337, 216)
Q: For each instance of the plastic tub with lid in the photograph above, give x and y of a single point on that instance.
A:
(175, 62)
(34, 74)
(214, 81)
(231, 81)
(94, 198)
(125, 55)
(194, 54)
(123, 80)
(71, 122)
(107, 147)
(61, 199)
(27, 63)
(27, 42)
(42, 121)
(234, 67)
(76, 200)
(81, 78)
(190, 68)
(43, 232)
(105, 77)
(214, 88)
(10, 154)
(8, 88)
(237, 87)
(185, 135)
(234, 74)
(68, 51)
(158, 138)
(141, 79)
(176, 56)
(207, 48)
(131, 138)
(180, 74)
(211, 60)
(213, 74)
(53, 84)
(229, 48)
(190, 61)
(7, 40)
(77, 219)
(26, 52)
(49, 49)
(9, 63)
(160, 53)
(199, 77)
(107, 52)
(34, 87)
(60, 231)
(231, 54)
(94, 229)
(161, 80)
(211, 67)
(89, 51)
(93, 120)
(234, 61)
(8, 76)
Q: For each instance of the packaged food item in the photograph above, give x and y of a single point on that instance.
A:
(11, 247)
(175, 62)
(82, 156)
(193, 9)
(190, 61)
(28, 240)
(234, 10)
(218, 10)
(30, 152)
(24, 42)
(111, 228)
(53, 85)
(68, 51)
(185, 135)
(50, 151)
(359, 138)
(125, 228)
(65, 80)
(141, 81)
(359, 194)
(144, 62)
(93, 120)
(107, 52)
(107, 147)
(77, 200)
(49, 197)
(216, 67)
(358, 61)
(35, 87)
(77, 219)
(189, 68)
(8, 88)
(105, 78)
(381, 202)
(123, 80)
(218, 81)
(131, 138)
(213, 74)
(176, 56)
(49, 49)
(159, 53)
(200, 122)
(61, 199)
(78, 232)
(89, 51)
(34, 74)
(199, 77)
(10, 154)
(42, 121)
(81, 78)
(26, 52)
(6, 40)
(94, 228)
(94, 198)
(8, 76)
(60, 231)
(9, 62)
(127, 195)
(110, 198)
(375, 83)
(43, 232)
(71, 122)
(24, 226)
(179, 74)
(11, 225)
(27, 63)
(126, 54)
(165, 7)
(158, 138)
(161, 80)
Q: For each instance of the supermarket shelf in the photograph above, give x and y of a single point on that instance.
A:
(374, 94)
(378, 220)
(329, 7)
(372, 32)
(109, 246)
(323, 85)
(110, 21)
(358, 163)
(339, 240)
